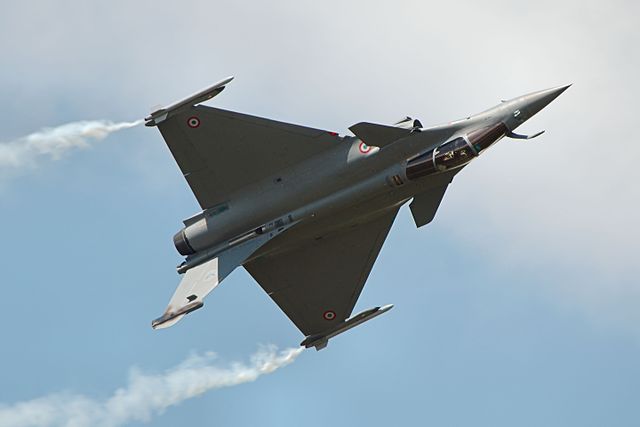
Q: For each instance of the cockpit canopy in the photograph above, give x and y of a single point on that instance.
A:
(483, 138)
(456, 152)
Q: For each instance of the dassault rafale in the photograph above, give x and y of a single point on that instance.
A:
(306, 211)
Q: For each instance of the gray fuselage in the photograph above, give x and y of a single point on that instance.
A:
(353, 173)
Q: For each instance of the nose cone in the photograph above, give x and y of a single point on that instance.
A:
(538, 100)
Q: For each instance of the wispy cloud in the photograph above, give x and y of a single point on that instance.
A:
(145, 395)
(53, 143)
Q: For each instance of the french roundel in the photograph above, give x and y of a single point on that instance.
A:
(329, 315)
(364, 148)
(193, 122)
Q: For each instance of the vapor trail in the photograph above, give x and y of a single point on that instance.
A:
(145, 394)
(54, 142)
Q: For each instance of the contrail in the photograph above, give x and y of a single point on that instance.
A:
(52, 143)
(145, 395)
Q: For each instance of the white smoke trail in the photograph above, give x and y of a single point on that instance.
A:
(54, 142)
(145, 395)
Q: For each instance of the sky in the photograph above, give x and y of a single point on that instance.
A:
(517, 305)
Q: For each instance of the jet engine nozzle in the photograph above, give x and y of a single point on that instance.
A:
(182, 244)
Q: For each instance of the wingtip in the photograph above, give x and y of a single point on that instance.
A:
(170, 318)
(386, 307)
(162, 323)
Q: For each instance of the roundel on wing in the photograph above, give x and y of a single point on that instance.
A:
(329, 315)
(193, 122)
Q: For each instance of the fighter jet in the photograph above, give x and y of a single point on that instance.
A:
(306, 211)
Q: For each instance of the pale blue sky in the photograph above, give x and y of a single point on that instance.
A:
(517, 306)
